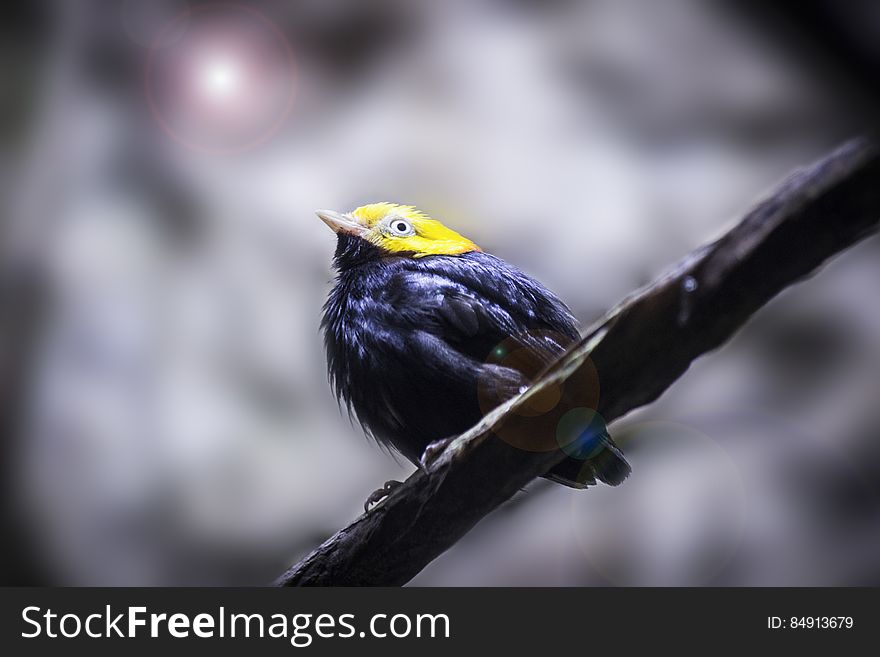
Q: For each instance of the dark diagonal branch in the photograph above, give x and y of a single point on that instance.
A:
(638, 350)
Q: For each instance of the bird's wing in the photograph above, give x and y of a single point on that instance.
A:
(470, 332)
(467, 320)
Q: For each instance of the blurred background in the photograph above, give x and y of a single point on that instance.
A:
(166, 417)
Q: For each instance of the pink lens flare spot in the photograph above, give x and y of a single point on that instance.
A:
(226, 85)
(220, 79)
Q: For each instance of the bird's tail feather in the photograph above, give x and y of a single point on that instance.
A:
(608, 465)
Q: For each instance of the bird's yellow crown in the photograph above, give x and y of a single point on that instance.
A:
(399, 229)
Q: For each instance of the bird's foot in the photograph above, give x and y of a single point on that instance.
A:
(381, 493)
(433, 450)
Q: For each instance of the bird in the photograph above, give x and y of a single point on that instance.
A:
(425, 333)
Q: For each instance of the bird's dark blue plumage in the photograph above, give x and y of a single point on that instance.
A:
(408, 341)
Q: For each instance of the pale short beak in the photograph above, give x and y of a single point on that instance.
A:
(340, 222)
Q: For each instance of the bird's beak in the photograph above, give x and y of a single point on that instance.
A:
(341, 223)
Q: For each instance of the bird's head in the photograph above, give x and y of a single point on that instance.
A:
(397, 230)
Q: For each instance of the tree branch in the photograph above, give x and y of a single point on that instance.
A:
(638, 350)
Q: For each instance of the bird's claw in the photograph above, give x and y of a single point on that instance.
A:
(433, 450)
(381, 493)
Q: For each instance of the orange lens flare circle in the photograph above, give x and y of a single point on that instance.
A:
(533, 425)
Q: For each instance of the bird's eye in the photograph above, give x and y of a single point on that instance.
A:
(401, 228)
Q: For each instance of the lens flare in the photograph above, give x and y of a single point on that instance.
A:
(580, 433)
(220, 79)
(533, 426)
(226, 84)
